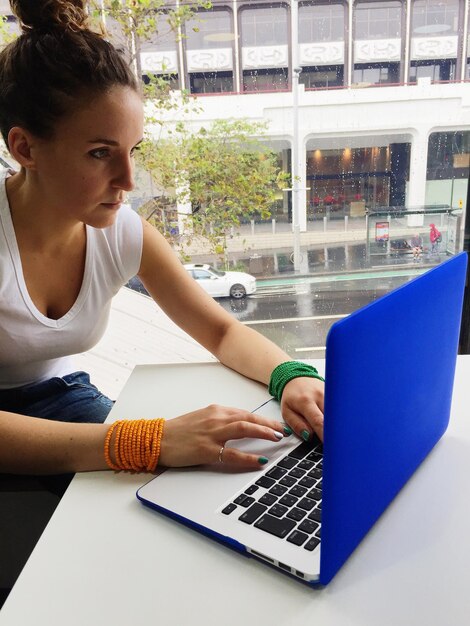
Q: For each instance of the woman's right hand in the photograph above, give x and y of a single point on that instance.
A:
(197, 438)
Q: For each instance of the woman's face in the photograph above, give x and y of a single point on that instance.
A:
(85, 170)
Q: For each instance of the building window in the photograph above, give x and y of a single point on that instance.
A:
(321, 45)
(209, 29)
(211, 82)
(158, 53)
(322, 77)
(265, 80)
(209, 51)
(437, 71)
(322, 22)
(448, 155)
(377, 20)
(448, 168)
(376, 73)
(264, 26)
(435, 17)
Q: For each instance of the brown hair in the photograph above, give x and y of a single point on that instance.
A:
(54, 66)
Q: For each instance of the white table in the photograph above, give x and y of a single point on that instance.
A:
(105, 559)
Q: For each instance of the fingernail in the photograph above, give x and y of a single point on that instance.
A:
(262, 460)
(305, 435)
(288, 430)
(278, 434)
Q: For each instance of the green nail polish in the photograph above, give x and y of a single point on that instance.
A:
(305, 435)
(262, 460)
(287, 430)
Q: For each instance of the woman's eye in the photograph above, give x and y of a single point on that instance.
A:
(134, 150)
(99, 153)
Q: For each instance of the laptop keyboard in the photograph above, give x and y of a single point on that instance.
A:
(286, 500)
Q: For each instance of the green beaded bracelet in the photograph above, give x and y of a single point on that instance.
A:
(285, 372)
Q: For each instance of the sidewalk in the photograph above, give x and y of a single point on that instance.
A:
(342, 248)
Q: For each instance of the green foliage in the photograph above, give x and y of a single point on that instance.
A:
(225, 172)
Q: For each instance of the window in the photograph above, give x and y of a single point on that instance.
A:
(377, 20)
(264, 26)
(265, 80)
(209, 52)
(435, 70)
(376, 73)
(321, 23)
(211, 82)
(209, 29)
(322, 77)
(435, 17)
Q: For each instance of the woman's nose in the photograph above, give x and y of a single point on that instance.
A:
(124, 178)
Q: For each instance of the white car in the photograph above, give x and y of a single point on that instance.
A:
(219, 284)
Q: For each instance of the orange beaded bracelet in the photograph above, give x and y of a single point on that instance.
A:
(137, 444)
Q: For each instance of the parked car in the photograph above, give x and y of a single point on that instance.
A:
(219, 284)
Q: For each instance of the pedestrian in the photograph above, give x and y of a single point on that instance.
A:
(416, 244)
(71, 115)
(435, 238)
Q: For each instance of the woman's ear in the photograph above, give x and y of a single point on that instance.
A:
(20, 145)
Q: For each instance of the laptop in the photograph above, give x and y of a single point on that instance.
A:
(389, 377)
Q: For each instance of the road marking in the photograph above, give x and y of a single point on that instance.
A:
(340, 277)
(297, 319)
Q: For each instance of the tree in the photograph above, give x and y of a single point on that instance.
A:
(225, 172)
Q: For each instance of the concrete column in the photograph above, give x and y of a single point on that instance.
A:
(417, 185)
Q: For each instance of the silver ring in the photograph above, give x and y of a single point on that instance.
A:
(221, 453)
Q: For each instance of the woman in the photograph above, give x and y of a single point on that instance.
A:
(72, 117)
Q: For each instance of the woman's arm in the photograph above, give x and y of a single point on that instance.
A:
(234, 344)
(30, 445)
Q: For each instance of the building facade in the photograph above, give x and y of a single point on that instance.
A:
(368, 101)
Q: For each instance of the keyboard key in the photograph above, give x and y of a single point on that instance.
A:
(318, 533)
(288, 462)
(307, 481)
(278, 510)
(297, 537)
(242, 498)
(315, 515)
(297, 472)
(268, 499)
(252, 514)
(251, 489)
(276, 472)
(278, 490)
(288, 500)
(306, 504)
(311, 544)
(275, 526)
(315, 472)
(314, 456)
(229, 508)
(306, 464)
(308, 526)
(288, 481)
(298, 491)
(301, 451)
(314, 494)
(265, 482)
(297, 514)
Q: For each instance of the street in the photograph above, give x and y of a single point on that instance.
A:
(296, 313)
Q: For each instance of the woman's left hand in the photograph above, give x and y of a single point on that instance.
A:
(302, 406)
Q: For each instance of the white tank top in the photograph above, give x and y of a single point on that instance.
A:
(34, 347)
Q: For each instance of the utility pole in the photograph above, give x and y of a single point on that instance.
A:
(296, 69)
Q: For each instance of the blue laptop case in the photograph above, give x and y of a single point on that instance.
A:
(402, 347)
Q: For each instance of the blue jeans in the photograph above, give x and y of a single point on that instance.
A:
(71, 398)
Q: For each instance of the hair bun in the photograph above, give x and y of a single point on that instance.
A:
(49, 14)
